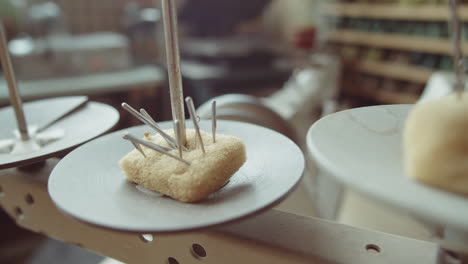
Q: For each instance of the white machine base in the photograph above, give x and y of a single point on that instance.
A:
(272, 237)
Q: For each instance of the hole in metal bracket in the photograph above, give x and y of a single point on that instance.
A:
(198, 251)
(172, 260)
(19, 213)
(29, 199)
(147, 238)
(371, 248)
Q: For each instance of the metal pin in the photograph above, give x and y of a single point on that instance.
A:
(151, 124)
(134, 112)
(139, 147)
(136, 145)
(169, 12)
(177, 135)
(154, 147)
(213, 120)
(457, 51)
(62, 116)
(150, 119)
(191, 109)
(15, 98)
(145, 114)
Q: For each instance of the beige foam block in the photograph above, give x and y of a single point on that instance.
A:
(435, 143)
(206, 173)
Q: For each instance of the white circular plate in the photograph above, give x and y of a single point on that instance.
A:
(362, 147)
(88, 122)
(89, 185)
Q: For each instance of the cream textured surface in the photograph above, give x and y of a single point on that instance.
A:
(436, 143)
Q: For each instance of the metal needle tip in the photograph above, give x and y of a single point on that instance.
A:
(213, 121)
(151, 123)
(154, 147)
(193, 116)
(135, 144)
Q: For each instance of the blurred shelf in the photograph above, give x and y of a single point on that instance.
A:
(381, 96)
(394, 41)
(398, 71)
(394, 11)
(139, 78)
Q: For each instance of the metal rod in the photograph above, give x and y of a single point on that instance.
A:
(151, 124)
(213, 120)
(177, 135)
(154, 147)
(169, 10)
(457, 51)
(15, 98)
(193, 116)
(148, 116)
(62, 116)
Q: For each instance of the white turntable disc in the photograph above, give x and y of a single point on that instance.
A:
(89, 185)
(88, 121)
(362, 147)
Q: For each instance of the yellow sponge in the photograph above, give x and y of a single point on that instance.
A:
(206, 173)
(436, 143)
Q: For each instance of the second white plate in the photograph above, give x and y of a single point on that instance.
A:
(362, 148)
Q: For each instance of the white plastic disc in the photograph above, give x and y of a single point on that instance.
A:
(89, 185)
(88, 122)
(362, 147)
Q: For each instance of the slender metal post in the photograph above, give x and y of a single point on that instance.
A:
(458, 64)
(193, 116)
(12, 88)
(177, 136)
(146, 119)
(169, 10)
(213, 120)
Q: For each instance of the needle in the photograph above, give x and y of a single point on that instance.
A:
(153, 146)
(151, 120)
(15, 99)
(193, 116)
(144, 113)
(138, 147)
(135, 144)
(169, 10)
(213, 120)
(153, 125)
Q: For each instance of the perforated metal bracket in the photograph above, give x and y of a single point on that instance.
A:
(271, 237)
